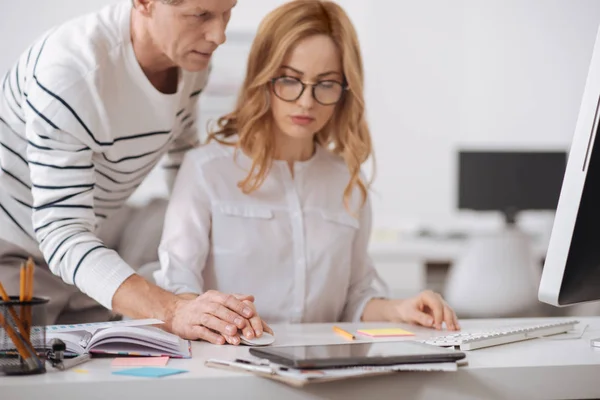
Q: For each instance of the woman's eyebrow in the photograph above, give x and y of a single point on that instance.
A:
(318, 76)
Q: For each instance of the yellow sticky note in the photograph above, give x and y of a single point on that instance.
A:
(81, 371)
(385, 332)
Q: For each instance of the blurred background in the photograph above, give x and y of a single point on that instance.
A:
(472, 106)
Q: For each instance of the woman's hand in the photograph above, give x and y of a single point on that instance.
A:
(427, 309)
(255, 328)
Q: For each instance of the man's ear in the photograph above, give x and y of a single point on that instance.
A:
(144, 6)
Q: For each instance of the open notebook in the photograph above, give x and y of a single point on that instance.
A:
(134, 338)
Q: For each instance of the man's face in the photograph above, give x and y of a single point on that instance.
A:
(190, 31)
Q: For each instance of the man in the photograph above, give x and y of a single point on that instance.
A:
(85, 114)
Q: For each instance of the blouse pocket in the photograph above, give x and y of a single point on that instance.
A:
(339, 230)
(239, 228)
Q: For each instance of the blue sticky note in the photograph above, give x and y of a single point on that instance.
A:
(149, 372)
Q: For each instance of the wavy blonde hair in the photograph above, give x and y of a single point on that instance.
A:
(346, 134)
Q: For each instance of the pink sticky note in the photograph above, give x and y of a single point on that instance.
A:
(140, 361)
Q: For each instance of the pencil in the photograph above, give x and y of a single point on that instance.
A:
(11, 310)
(344, 333)
(28, 295)
(22, 343)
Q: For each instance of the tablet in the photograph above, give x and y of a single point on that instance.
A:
(354, 354)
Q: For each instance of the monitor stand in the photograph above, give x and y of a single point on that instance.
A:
(510, 216)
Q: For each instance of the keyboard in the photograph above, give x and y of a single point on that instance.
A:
(498, 336)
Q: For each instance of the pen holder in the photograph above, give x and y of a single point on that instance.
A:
(23, 336)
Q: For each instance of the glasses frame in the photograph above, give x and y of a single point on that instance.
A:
(313, 86)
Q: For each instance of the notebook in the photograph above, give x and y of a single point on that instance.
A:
(132, 338)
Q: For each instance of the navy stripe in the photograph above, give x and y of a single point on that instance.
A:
(28, 56)
(63, 187)
(55, 202)
(196, 93)
(14, 220)
(119, 182)
(51, 149)
(112, 200)
(15, 112)
(141, 135)
(175, 166)
(181, 149)
(51, 222)
(9, 127)
(63, 226)
(80, 206)
(15, 178)
(12, 92)
(101, 216)
(43, 117)
(83, 258)
(132, 157)
(85, 241)
(185, 118)
(22, 202)
(38, 146)
(17, 77)
(63, 242)
(14, 152)
(59, 167)
(64, 103)
(189, 124)
(150, 164)
(180, 112)
(117, 191)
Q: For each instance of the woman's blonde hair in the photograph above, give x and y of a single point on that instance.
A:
(346, 134)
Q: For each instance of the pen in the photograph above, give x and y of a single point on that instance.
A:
(344, 333)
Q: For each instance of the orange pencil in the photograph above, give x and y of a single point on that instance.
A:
(28, 295)
(11, 310)
(344, 333)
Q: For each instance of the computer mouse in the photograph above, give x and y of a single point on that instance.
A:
(265, 340)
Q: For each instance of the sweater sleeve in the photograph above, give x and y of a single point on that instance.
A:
(60, 159)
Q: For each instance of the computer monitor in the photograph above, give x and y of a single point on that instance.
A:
(571, 271)
(510, 181)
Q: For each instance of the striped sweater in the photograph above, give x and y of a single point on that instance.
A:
(80, 128)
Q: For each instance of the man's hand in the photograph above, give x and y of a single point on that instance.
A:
(213, 316)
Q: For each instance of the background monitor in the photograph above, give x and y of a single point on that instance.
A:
(572, 268)
(510, 181)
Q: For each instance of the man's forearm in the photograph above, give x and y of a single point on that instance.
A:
(138, 298)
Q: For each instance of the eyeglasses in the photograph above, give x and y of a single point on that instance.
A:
(288, 88)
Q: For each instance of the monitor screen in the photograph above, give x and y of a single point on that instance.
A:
(571, 271)
(510, 180)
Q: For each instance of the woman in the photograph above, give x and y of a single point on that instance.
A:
(275, 205)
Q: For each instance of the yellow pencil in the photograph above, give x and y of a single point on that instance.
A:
(344, 333)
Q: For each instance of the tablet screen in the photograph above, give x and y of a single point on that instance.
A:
(380, 353)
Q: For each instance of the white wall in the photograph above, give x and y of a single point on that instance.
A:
(440, 75)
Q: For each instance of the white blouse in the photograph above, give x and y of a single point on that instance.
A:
(291, 243)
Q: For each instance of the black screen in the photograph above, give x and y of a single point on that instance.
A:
(581, 280)
(501, 181)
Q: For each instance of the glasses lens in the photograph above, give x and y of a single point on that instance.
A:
(328, 92)
(287, 88)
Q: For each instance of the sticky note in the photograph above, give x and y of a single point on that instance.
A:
(385, 332)
(149, 372)
(140, 361)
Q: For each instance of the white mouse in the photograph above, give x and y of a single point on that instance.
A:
(265, 340)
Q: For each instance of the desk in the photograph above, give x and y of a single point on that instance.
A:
(411, 264)
(540, 368)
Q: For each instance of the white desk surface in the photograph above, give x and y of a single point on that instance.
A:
(539, 368)
(429, 249)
